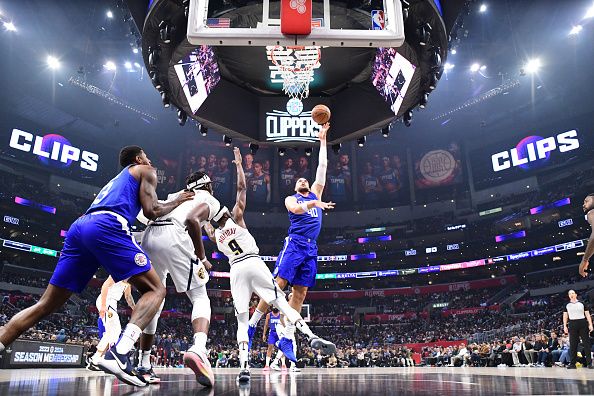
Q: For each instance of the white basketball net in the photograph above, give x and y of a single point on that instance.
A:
(296, 67)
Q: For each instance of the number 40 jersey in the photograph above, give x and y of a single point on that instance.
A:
(236, 242)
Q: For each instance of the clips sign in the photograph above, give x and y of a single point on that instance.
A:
(292, 125)
(535, 151)
(53, 150)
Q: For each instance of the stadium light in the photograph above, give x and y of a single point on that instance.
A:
(128, 65)
(137, 65)
(53, 62)
(228, 140)
(475, 67)
(109, 14)
(483, 68)
(590, 12)
(9, 26)
(282, 151)
(110, 65)
(135, 50)
(449, 66)
(454, 51)
(533, 65)
(308, 151)
(483, 8)
(203, 130)
(575, 30)
(361, 141)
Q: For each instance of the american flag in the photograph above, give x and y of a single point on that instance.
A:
(218, 22)
(317, 22)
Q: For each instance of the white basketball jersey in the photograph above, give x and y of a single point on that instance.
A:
(235, 242)
(180, 214)
(116, 291)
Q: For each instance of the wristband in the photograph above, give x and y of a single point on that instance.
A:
(304, 207)
(203, 260)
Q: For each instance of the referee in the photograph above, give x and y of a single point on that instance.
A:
(576, 318)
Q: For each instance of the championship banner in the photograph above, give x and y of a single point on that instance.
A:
(438, 166)
(43, 355)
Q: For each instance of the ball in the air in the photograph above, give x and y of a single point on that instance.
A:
(320, 114)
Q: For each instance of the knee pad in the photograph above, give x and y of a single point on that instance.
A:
(200, 303)
(151, 328)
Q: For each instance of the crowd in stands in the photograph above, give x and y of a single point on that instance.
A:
(360, 343)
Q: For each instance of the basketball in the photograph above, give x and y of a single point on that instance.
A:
(320, 114)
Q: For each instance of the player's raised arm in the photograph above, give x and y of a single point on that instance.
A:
(240, 201)
(589, 248)
(151, 206)
(318, 186)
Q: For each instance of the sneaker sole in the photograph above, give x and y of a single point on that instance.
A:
(326, 347)
(195, 363)
(121, 375)
(243, 380)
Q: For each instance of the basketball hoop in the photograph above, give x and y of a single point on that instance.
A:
(296, 65)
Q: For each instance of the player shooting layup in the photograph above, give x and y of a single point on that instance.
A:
(297, 262)
(102, 237)
(250, 275)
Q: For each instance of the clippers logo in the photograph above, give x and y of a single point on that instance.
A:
(286, 126)
(53, 150)
(534, 148)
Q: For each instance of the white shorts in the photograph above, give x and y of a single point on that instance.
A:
(111, 321)
(171, 251)
(252, 276)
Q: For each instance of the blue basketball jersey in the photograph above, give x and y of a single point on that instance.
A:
(274, 320)
(307, 225)
(120, 196)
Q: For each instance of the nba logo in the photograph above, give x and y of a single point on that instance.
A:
(378, 22)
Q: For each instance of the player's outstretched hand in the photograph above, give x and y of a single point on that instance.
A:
(583, 267)
(324, 132)
(325, 205)
(237, 154)
(185, 196)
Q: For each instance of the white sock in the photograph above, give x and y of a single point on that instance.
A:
(278, 357)
(128, 338)
(304, 328)
(243, 355)
(2, 347)
(267, 361)
(144, 357)
(290, 331)
(200, 341)
(256, 317)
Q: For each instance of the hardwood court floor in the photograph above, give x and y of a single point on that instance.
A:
(342, 382)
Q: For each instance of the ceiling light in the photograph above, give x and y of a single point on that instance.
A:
(386, 131)
(135, 50)
(308, 151)
(9, 26)
(53, 62)
(483, 68)
(228, 140)
(475, 67)
(454, 51)
(281, 151)
(533, 65)
(137, 65)
(483, 8)
(182, 117)
(449, 66)
(110, 65)
(575, 30)
(361, 141)
(128, 65)
(203, 130)
(590, 12)
(109, 14)
(165, 100)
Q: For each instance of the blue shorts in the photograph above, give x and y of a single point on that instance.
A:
(272, 337)
(298, 261)
(94, 240)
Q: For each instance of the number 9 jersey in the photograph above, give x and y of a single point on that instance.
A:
(236, 242)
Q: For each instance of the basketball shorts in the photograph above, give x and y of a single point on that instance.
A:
(112, 327)
(172, 252)
(272, 337)
(94, 240)
(298, 261)
(252, 276)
